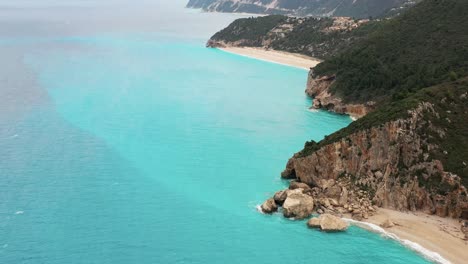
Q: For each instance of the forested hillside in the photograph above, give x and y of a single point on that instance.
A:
(349, 8)
(407, 79)
(315, 37)
(425, 46)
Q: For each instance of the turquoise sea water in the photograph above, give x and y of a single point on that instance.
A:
(142, 146)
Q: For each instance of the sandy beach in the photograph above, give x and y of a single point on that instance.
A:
(280, 57)
(437, 234)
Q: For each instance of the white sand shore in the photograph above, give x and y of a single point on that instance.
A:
(437, 234)
(280, 57)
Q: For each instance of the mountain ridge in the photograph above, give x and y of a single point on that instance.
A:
(349, 8)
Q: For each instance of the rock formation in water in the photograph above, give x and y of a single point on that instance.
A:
(297, 204)
(269, 206)
(318, 87)
(328, 222)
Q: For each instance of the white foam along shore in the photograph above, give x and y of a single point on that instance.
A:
(274, 56)
(426, 253)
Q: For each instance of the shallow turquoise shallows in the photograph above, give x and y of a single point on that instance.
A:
(149, 148)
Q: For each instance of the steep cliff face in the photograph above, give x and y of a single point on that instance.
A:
(318, 87)
(392, 163)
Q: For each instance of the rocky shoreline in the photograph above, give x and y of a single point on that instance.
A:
(371, 169)
(336, 198)
(318, 87)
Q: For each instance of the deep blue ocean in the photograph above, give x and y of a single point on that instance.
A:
(124, 140)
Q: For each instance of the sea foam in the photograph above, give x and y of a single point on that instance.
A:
(428, 254)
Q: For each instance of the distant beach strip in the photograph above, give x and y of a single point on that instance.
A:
(274, 56)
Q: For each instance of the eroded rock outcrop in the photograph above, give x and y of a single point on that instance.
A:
(387, 165)
(318, 87)
(269, 206)
(332, 197)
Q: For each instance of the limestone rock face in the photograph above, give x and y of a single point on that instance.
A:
(328, 222)
(269, 206)
(280, 197)
(318, 88)
(298, 204)
(296, 185)
(388, 166)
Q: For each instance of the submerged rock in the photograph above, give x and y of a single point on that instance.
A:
(328, 222)
(269, 206)
(298, 204)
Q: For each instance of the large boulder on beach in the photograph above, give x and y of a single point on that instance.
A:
(328, 222)
(298, 204)
(269, 206)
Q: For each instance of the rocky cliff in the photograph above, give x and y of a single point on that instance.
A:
(397, 164)
(318, 87)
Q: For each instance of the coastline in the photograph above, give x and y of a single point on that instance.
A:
(274, 56)
(439, 239)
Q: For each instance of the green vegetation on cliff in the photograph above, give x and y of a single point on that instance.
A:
(450, 101)
(375, 61)
(350, 8)
(425, 46)
(312, 38)
(420, 56)
(251, 30)
(399, 63)
(316, 37)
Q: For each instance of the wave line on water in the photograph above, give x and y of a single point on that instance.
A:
(428, 254)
